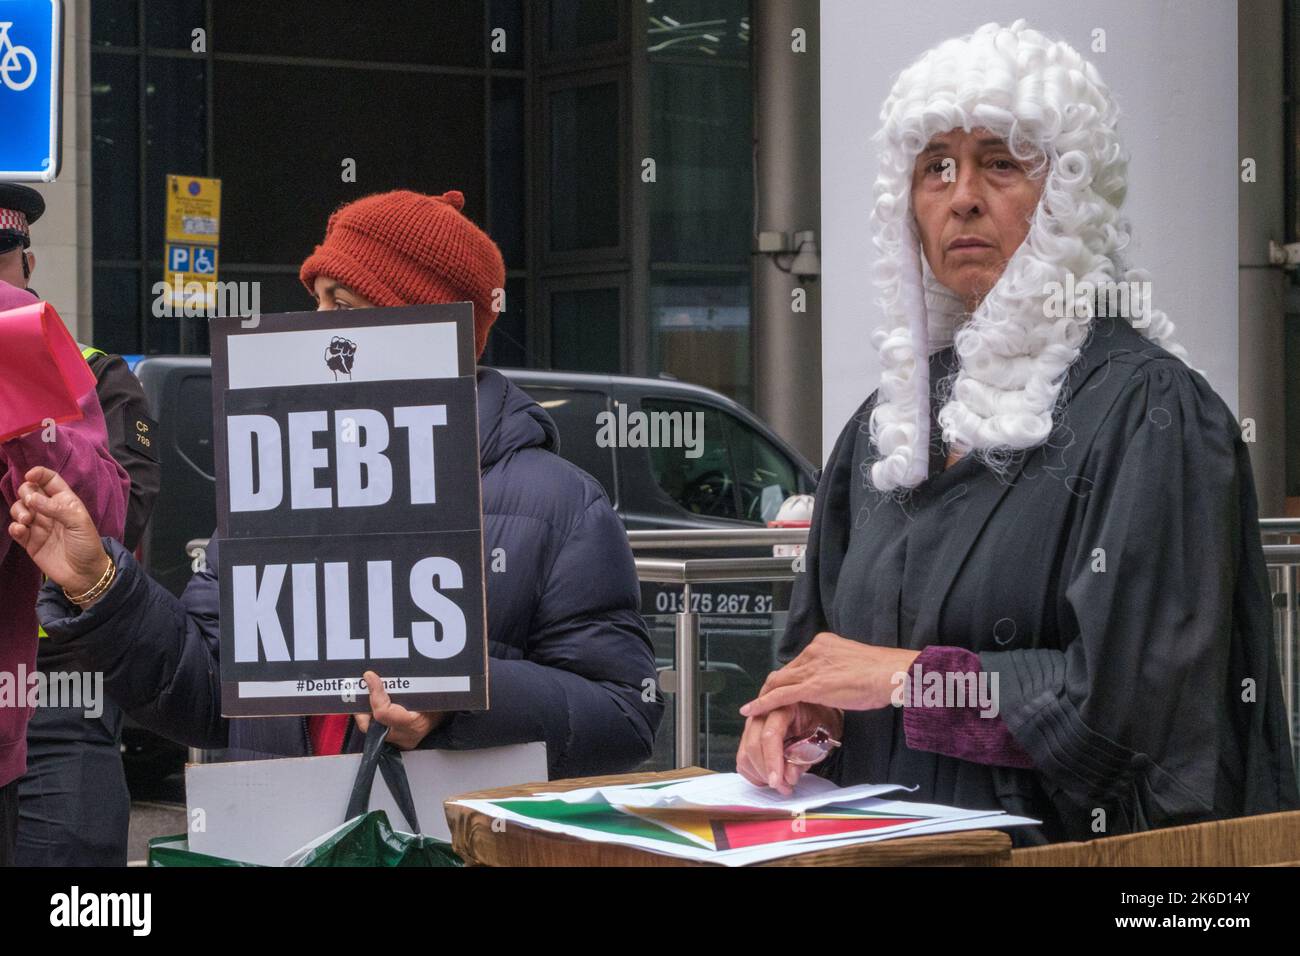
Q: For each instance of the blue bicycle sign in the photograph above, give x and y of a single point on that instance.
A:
(31, 67)
(15, 59)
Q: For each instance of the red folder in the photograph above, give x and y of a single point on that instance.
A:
(42, 373)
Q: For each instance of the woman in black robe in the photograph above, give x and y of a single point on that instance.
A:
(1104, 587)
(1113, 581)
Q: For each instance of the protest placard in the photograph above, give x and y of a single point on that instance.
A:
(349, 510)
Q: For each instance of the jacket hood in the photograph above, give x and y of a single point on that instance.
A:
(509, 420)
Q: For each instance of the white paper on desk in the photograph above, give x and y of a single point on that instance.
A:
(871, 830)
(726, 790)
(986, 821)
(944, 819)
(814, 845)
(748, 855)
(940, 819)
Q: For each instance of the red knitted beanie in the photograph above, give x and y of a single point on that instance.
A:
(406, 248)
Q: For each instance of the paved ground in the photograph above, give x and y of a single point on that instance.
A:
(148, 820)
(157, 809)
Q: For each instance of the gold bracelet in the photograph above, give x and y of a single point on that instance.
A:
(97, 589)
(94, 594)
(112, 576)
(104, 583)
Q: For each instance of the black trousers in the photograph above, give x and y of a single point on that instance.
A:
(74, 807)
(8, 822)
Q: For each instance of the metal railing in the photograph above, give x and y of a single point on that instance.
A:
(720, 538)
(1284, 582)
(683, 680)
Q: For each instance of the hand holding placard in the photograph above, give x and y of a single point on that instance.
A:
(406, 728)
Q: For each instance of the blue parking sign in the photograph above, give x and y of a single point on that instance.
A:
(31, 75)
(178, 258)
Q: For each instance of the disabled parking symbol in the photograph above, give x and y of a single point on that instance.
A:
(205, 261)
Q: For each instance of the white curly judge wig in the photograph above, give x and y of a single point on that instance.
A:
(1056, 114)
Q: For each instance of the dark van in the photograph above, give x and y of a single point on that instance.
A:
(736, 476)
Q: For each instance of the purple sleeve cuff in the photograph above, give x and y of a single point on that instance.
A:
(966, 727)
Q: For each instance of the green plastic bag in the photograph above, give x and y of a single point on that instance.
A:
(370, 840)
(175, 851)
(366, 838)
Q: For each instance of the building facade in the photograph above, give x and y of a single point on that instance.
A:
(608, 146)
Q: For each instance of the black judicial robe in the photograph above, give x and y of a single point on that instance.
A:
(1112, 579)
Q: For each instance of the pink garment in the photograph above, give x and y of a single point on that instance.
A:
(43, 386)
(12, 297)
(79, 453)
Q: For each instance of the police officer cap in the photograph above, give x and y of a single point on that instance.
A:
(20, 206)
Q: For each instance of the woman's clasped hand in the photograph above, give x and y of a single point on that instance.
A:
(831, 675)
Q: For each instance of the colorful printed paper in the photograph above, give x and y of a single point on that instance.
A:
(743, 824)
(726, 792)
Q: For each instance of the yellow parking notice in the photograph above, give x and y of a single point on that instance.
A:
(193, 210)
(193, 237)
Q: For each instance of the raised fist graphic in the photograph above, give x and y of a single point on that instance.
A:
(339, 355)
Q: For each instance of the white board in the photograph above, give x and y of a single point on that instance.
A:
(260, 811)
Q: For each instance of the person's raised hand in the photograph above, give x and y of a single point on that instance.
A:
(56, 531)
(406, 728)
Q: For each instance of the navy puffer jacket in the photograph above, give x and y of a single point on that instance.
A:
(570, 659)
